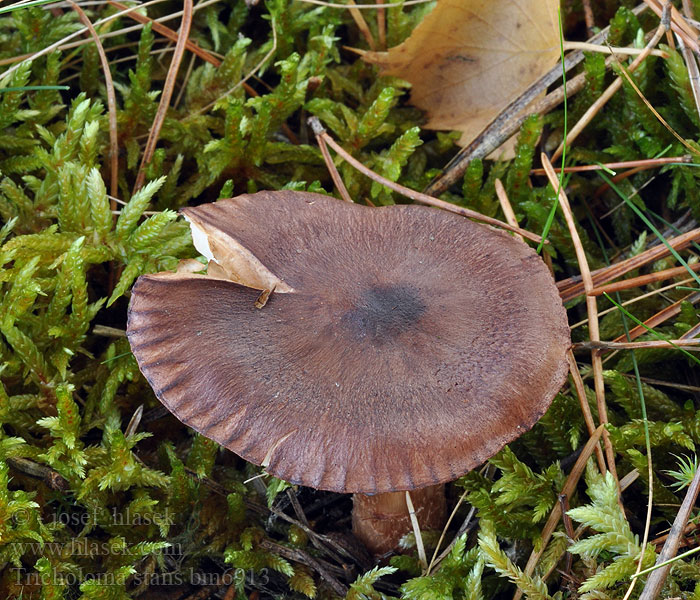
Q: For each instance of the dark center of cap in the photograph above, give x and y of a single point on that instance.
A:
(382, 313)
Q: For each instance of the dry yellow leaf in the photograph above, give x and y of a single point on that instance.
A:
(469, 59)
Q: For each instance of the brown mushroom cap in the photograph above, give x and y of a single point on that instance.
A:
(408, 346)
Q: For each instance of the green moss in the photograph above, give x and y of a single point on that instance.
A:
(103, 495)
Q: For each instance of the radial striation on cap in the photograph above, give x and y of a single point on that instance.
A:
(403, 345)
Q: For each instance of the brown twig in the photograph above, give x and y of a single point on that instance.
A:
(51, 478)
(678, 24)
(692, 345)
(660, 382)
(185, 82)
(381, 24)
(361, 24)
(656, 579)
(330, 165)
(693, 72)
(169, 34)
(572, 287)
(692, 333)
(168, 88)
(617, 179)
(111, 105)
(328, 541)
(660, 317)
(642, 280)
(588, 16)
(688, 529)
(301, 516)
(646, 163)
(568, 528)
(585, 408)
(435, 559)
(506, 206)
(624, 50)
(412, 194)
(592, 310)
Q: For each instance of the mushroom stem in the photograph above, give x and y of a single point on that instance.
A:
(380, 521)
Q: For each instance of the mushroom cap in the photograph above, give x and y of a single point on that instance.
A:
(407, 344)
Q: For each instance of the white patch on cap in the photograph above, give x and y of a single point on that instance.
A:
(201, 241)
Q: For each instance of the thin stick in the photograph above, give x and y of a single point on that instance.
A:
(568, 529)
(688, 9)
(636, 299)
(616, 179)
(655, 582)
(111, 106)
(381, 24)
(612, 89)
(588, 16)
(51, 478)
(692, 333)
(301, 516)
(693, 73)
(185, 82)
(168, 33)
(585, 408)
(643, 280)
(600, 49)
(678, 24)
(330, 165)
(361, 24)
(506, 206)
(134, 422)
(571, 288)
(592, 310)
(435, 560)
(676, 386)
(416, 532)
(660, 317)
(168, 88)
(677, 344)
(106, 331)
(688, 529)
(412, 194)
(646, 162)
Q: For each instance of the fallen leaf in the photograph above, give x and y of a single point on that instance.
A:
(468, 59)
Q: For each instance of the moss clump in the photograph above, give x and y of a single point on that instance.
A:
(104, 495)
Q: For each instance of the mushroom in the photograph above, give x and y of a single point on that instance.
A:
(399, 347)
